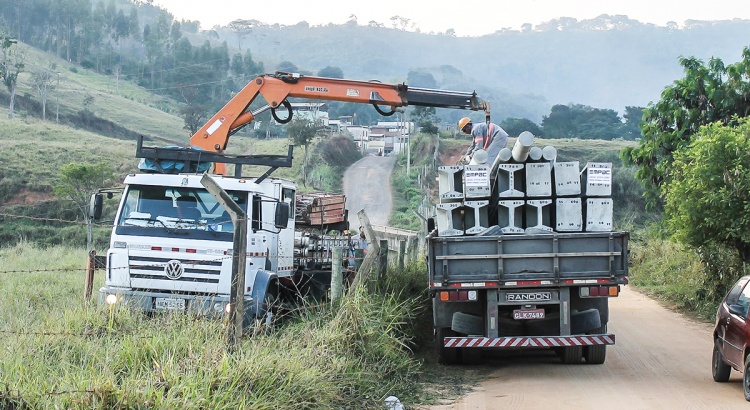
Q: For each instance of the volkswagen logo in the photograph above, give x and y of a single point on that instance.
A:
(174, 269)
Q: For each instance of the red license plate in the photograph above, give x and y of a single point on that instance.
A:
(524, 314)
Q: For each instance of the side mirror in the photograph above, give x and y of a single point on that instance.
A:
(95, 206)
(281, 219)
(738, 310)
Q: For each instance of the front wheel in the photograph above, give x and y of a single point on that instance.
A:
(720, 370)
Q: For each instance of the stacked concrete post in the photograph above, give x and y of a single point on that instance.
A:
(525, 190)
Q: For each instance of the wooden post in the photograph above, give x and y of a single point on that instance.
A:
(382, 260)
(337, 277)
(239, 259)
(373, 249)
(401, 254)
(90, 267)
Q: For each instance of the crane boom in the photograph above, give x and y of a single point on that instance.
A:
(277, 88)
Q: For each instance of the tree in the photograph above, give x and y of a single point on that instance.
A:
(241, 28)
(78, 181)
(425, 118)
(559, 123)
(11, 65)
(708, 193)
(515, 126)
(421, 79)
(331, 72)
(582, 121)
(302, 131)
(707, 93)
(287, 67)
(42, 80)
(632, 128)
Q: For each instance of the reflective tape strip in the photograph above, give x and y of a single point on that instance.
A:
(525, 341)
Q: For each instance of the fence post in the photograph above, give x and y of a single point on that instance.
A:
(90, 267)
(401, 254)
(382, 259)
(337, 277)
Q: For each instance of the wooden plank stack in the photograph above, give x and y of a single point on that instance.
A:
(320, 208)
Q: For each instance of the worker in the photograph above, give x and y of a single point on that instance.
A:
(489, 137)
(362, 239)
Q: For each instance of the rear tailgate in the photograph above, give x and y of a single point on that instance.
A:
(529, 257)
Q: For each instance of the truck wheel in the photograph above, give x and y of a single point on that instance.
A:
(445, 355)
(746, 379)
(598, 353)
(471, 356)
(571, 355)
(720, 370)
(467, 324)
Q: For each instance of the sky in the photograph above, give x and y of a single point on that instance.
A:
(466, 18)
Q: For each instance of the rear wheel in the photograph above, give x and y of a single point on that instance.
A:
(446, 355)
(471, 356)
(746, 378)
(571, 355)
(596, 354)
(720, 370)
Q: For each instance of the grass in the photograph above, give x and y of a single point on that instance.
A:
(676, 275)
(130, 106)
(59, 352)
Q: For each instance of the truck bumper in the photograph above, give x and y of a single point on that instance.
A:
(212, 306)
(534, 342)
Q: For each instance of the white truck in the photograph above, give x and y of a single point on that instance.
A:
(173, 242)
(523, 256)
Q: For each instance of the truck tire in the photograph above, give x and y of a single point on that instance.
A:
(596, 354)
(467, 324)
(571, 355)
(720, 370)
(471, 356)
(445, 355)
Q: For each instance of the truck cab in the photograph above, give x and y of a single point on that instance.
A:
(171, 243)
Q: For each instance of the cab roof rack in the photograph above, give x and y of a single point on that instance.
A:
(191, 156)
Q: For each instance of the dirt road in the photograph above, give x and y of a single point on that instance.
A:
(662, 360)
(367, 185)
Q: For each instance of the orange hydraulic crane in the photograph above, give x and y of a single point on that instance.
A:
(277, 88)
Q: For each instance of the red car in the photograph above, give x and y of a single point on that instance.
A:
(731, 336)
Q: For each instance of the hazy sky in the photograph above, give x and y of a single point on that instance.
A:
(466, 18)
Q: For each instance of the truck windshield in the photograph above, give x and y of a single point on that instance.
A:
(158, 210)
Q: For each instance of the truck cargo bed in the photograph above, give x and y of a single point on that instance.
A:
(510, 258)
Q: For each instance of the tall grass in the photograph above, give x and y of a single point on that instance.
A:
(59, 352)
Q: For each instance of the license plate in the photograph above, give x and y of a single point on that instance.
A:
(170, 304)
(524, 314)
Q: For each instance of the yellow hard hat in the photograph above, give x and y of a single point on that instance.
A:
(463, 121)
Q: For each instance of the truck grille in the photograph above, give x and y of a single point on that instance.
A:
(194, 271)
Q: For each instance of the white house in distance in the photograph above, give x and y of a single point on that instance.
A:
(315, 112)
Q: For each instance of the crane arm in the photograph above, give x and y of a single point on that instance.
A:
(277, 88)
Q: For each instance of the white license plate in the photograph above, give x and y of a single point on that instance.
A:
(524, 314)
(170, 304)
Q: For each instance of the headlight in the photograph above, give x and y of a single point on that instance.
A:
(111, 299)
